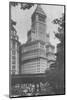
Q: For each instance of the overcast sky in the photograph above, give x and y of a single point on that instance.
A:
(23, 19)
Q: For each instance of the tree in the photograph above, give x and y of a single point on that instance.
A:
(56, 76)
(12, 23)
(23, 6)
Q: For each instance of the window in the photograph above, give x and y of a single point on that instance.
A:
(13, 52)
(13, 57)
(13, 67)
(13, 72)
(13, 45)
(42, 46)
(13, 62)
(41, 18)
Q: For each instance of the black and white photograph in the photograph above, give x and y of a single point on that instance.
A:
(36, 49)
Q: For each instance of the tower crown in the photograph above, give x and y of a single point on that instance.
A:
(39, 10)
(38, 13)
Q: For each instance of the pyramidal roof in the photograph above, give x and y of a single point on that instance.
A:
(39, 10)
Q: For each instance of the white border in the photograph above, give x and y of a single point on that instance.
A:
(4, 50)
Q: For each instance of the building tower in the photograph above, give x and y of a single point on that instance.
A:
(34, 59)
(14, 52)
(38, 27)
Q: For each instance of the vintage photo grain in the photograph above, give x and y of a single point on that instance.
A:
(36, 49)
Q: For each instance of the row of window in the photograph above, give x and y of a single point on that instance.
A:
(40, 18)
(29, 48)
(32, 56)
(33, 71)
(38, 52)
(32, 48)
(31, 62)
(31, 66)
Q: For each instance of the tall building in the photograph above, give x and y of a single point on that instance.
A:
(14, 52)
(38, 27)
(37, 53)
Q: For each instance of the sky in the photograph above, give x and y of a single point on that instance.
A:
(23, 20)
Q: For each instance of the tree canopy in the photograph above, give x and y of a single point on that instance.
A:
(56, 76)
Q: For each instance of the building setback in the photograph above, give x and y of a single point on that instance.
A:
(37, 53)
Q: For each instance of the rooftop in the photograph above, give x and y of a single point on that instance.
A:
(39, 10)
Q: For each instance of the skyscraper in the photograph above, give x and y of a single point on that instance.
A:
(37, 51)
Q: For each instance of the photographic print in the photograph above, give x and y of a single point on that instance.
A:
(36, 49)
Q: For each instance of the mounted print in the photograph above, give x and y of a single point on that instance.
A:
(36, 49)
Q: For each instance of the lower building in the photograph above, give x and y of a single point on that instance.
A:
(33, 58)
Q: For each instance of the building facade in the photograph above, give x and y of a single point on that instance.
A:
(37, 53)
(14, 52)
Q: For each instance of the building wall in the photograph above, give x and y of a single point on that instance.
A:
(33, 51)
(33, 58)
(34, 66)
(43, 65)
(38, 28)
(30, 67)
(14, 50)
(29, 47)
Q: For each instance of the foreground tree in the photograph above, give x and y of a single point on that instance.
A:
(56, 76)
